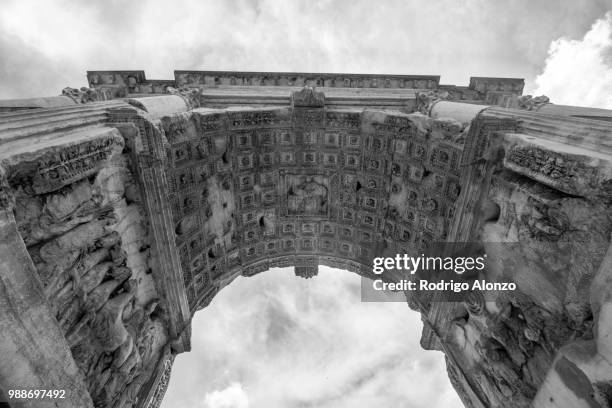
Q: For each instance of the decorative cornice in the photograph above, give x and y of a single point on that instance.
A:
(501, 85)
(334, 80)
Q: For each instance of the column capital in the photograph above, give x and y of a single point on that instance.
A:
(426, 100)
(190, 95)
(528, 102)
(86, 95)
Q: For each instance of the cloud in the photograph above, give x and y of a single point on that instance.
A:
(579, 72)
(477, 38)
(274, 340)
(291, 342)
(231, 397)
(21, 70)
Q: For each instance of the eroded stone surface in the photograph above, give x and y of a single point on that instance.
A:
(90, 248)
(135, 225)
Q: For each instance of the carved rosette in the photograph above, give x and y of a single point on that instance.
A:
(308, 98)
(426, 100)
(190, 95)
(528, 102)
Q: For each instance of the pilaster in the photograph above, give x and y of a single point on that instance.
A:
(150, 159)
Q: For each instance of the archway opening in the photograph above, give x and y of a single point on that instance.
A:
(274, 340)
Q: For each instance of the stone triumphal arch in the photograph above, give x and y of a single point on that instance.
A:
(125, 207)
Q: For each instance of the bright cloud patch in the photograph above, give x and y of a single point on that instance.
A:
(231, 397)
(579, 72)
(290, 342)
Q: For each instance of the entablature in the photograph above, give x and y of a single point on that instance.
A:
(229, 88)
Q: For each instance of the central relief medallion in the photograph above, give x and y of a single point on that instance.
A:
(307, 195)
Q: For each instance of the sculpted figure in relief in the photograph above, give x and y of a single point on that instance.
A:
(308, 197)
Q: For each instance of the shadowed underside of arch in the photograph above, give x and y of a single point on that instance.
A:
(252, 189)
(122, 218)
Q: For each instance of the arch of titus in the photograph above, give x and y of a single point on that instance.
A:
(126, 206)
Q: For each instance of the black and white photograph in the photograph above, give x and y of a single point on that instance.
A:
(306, 204)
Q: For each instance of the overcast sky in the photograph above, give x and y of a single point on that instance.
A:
(47, 45)
(275, 340)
